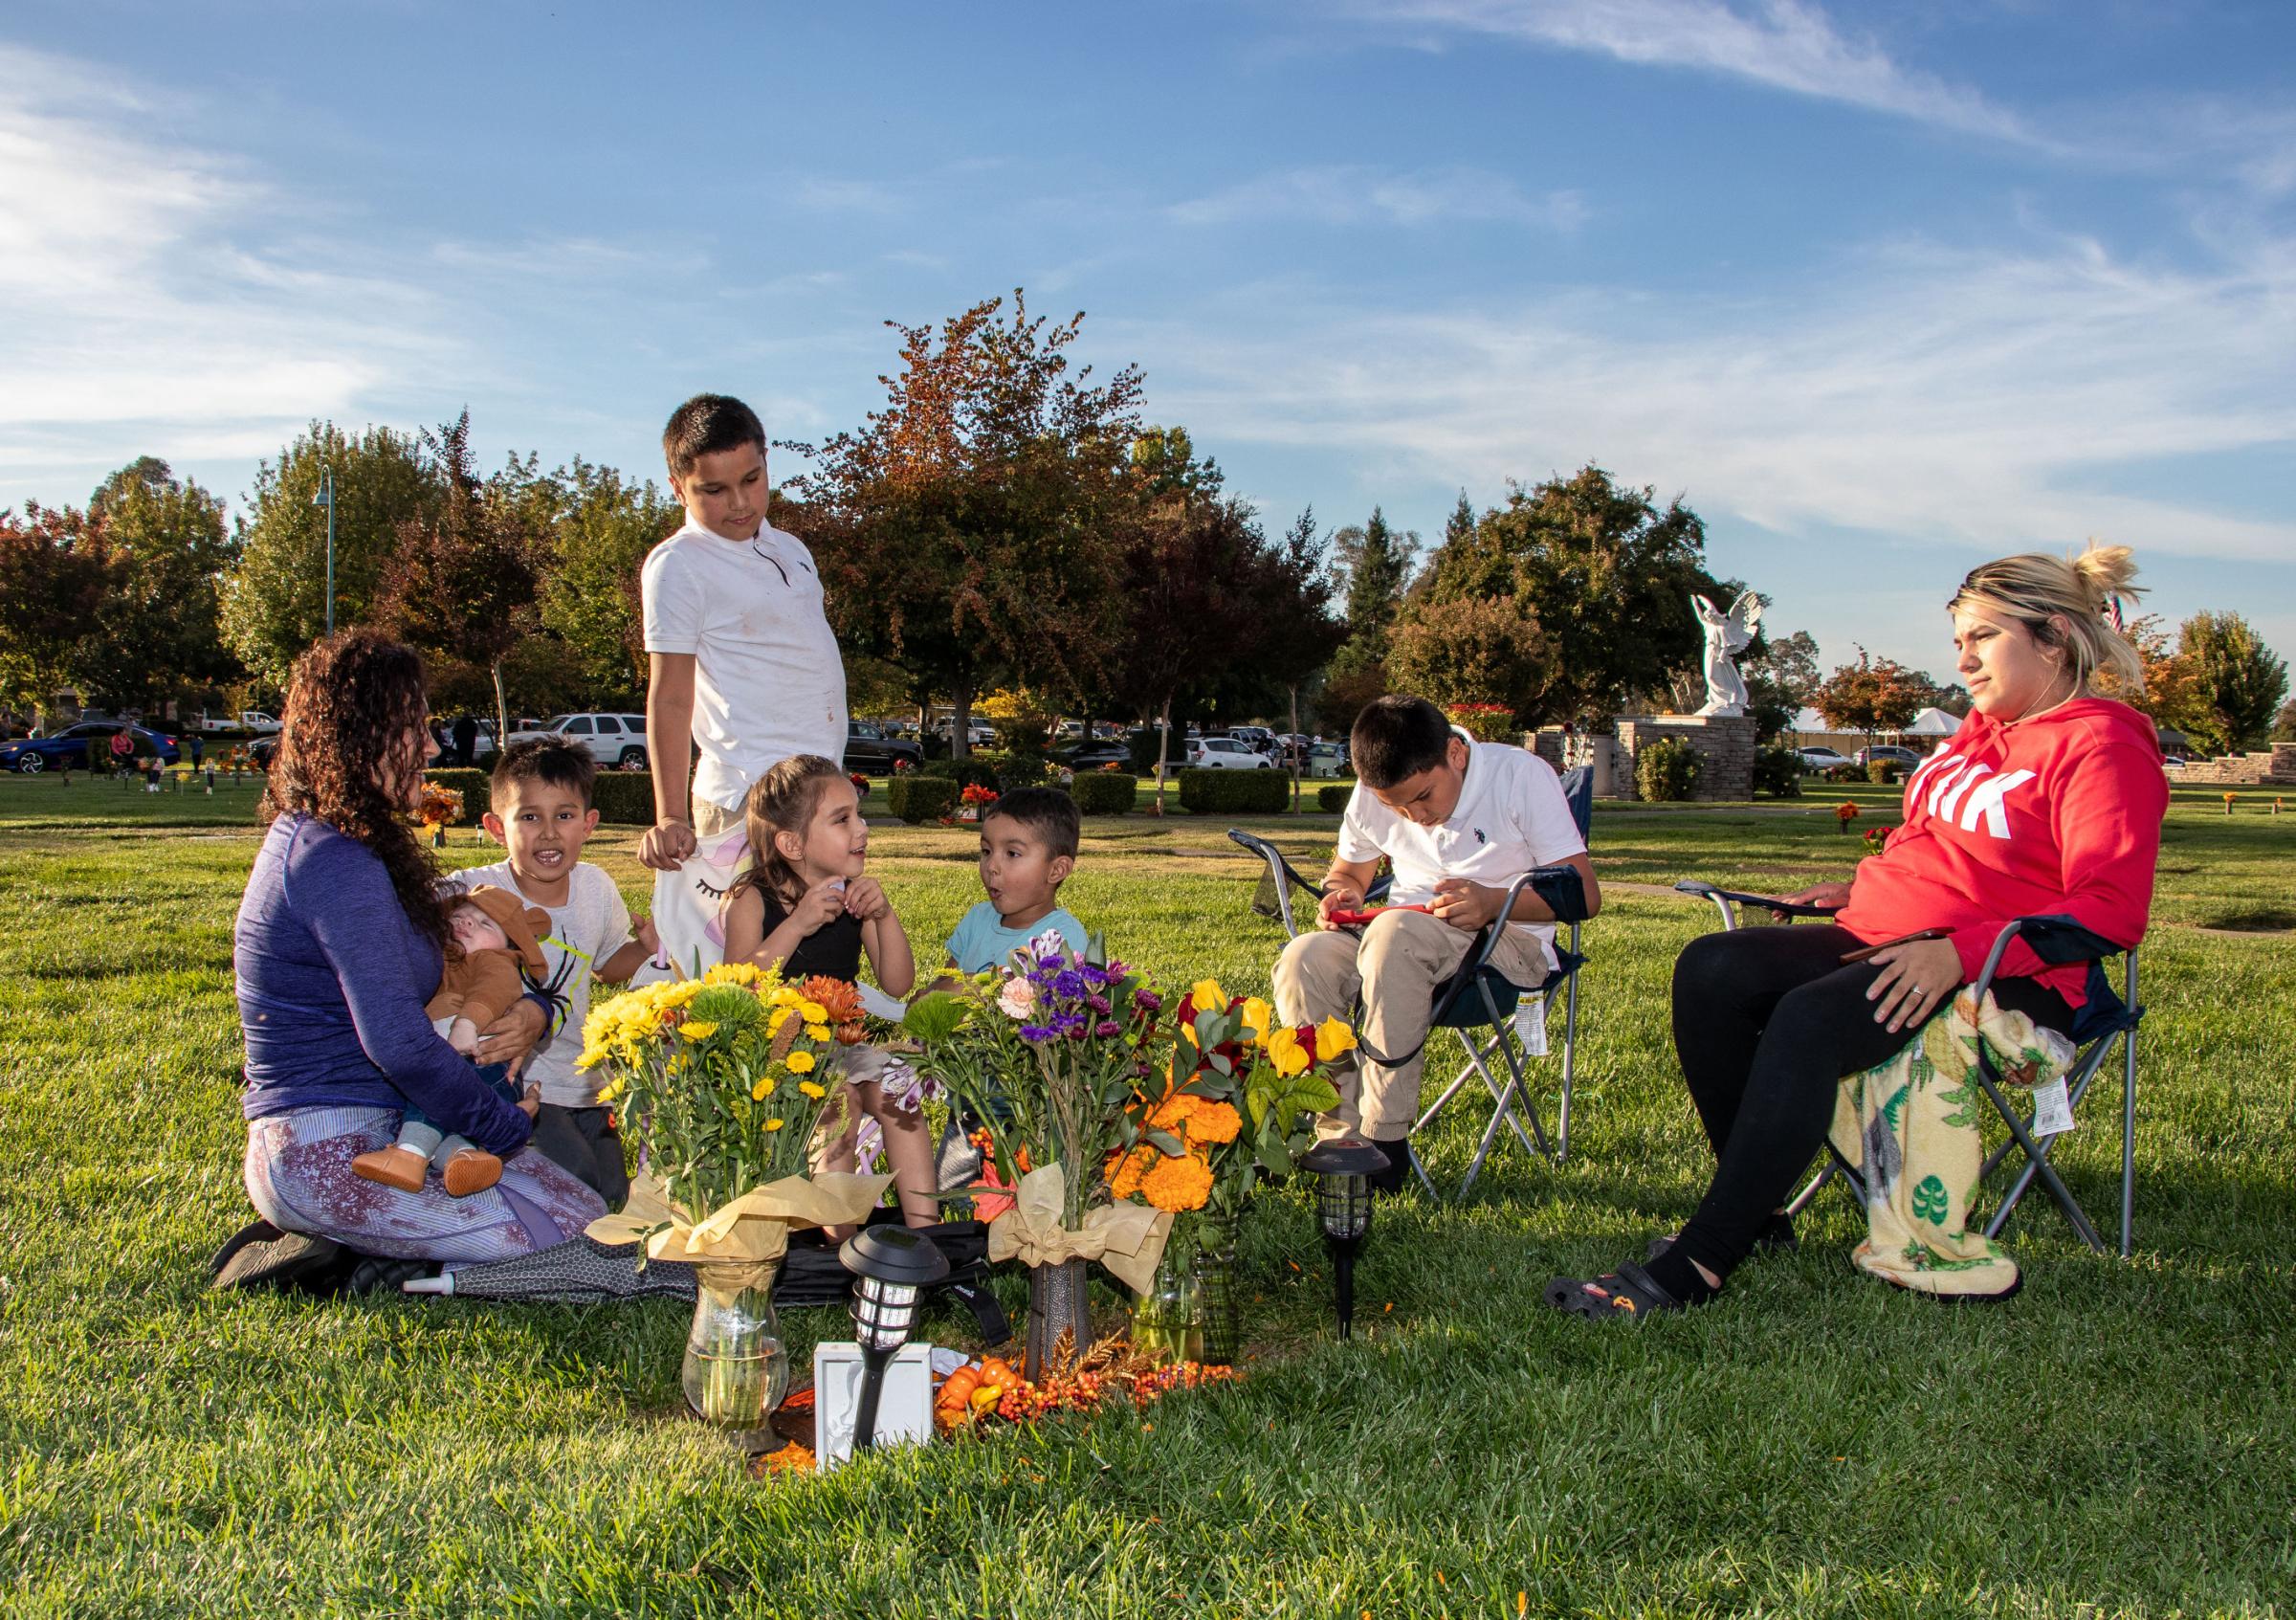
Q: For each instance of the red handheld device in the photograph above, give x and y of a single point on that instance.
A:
(1358, 919)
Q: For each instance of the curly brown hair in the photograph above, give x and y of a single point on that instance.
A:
(349, 707)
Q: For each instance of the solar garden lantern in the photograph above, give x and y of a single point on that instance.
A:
(1343, 1171)
(892, 1265)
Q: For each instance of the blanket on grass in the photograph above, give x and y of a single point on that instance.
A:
(1911, 1128)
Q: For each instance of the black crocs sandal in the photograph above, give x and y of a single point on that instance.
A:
(1631, 1292)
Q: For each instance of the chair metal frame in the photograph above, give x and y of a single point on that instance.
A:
(2107, 1016)
(1480, 997)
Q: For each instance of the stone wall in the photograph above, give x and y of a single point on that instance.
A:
(2276, 768)
(1723, 742)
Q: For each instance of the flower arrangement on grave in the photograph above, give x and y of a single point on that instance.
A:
(1236, 1097)
(974, 801)
(442, 808)
(1049, 1056)
(1877, 838)
(859, 781)
(722, 1080)
(1846, 812)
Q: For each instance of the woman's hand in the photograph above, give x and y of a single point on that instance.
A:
(1914, 982)
(509, 1038)
(1831, 896)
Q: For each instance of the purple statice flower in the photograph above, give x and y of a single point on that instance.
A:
(1147, 1001)
(1068, 984)
(1038, 1032)
(1093, 975)
(1107, 1027)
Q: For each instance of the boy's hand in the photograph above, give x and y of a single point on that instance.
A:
(1338, 896)
(865, 897)
(643, 931)
(666, 845)
(821, 905)
(1465, 906)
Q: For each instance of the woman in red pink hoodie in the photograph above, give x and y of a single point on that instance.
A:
(2047, 801)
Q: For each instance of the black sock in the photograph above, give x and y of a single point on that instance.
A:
(1674, 1272)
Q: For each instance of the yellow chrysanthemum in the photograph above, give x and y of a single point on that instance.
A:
(773, 1125)
(817, 1032)
(814, 1012)
(776, 1019)
(1333, 1037)
(801, 1062)
(697, 1029)
(743, 974)
(762, 1090)
(813, 1089)
(1284, 1052)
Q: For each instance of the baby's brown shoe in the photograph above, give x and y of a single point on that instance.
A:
(394, 1166)
(468, 1170)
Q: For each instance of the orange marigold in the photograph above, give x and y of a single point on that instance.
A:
(1178, 1185)
(1213, 1122)
(1126, 1169)
(841, 999)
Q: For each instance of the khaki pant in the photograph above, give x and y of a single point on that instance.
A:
(1396, 968)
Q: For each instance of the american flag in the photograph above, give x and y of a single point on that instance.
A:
(2112, 615)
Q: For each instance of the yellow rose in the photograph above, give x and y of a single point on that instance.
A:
(1286, 1053)
(1257, 1016)
(1208, 996)
(800, 1063)
(1333, 1037)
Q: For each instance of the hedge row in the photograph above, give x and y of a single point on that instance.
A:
(1104, 793)
(1235, 793)
(965, 774)
(920, 796)
(1334, 795)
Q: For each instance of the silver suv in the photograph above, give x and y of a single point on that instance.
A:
(612, 739)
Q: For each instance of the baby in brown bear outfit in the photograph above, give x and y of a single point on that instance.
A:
(499, 935)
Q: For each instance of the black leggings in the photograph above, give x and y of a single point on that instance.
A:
(1767, 1021)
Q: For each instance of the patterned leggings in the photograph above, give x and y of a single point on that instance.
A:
(298, 1176)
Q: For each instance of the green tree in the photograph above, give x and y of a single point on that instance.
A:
(461, 586)
(2237, 683)
(159, 637)
(969, 530)
(54, 580)
(1782, 680)
(1605, 574)
(1376, 561)
(274, 598)
(1468, 649)
(598, 537)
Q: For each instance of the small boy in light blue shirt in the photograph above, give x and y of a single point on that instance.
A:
(1028, 849)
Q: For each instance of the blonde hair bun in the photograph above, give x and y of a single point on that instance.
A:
(2110, 570)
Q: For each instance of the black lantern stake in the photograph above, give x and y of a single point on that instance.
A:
(1343, 1172)
(892, 1265)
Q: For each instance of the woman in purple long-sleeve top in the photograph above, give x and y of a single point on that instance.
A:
(340, 940)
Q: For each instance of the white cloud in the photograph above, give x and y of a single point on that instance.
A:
(1784, 44)
(1356, 194)
(1951, 397)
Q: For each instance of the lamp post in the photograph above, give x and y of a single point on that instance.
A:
(1343, 1171)
(892, 1267)
(326, 497)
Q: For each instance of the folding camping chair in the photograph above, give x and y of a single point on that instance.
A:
(2105, 1016)
(1479, 997)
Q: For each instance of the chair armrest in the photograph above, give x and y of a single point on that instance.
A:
(1725, 899)
(2056, 939)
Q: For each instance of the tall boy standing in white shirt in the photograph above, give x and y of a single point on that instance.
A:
(740, 653)
(1461, 821)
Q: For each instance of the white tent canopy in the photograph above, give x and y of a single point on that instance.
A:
(1932, 722)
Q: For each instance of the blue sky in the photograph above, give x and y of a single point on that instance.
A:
(1882, 291)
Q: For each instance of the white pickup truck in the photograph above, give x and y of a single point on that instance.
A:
(253, 721)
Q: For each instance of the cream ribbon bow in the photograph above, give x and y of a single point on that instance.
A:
(1127, 1238)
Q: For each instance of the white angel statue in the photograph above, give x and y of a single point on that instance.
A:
(1727, 634)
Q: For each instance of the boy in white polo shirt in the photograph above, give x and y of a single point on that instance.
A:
(740, 655)
(1461, 820)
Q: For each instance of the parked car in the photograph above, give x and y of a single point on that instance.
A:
(1225, 753)
(868, 749)
(1906, 757)
(1093, 756)
(73, 744)
(612, 739)
(980, 732)
(1822, 759)
(1257, 738)
(1326, 758)
(253, 721)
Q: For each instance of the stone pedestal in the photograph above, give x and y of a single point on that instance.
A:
(1723, 742)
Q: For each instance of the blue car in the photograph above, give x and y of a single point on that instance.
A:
(73, 745)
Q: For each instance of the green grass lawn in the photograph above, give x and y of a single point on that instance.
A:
(2120, 1439)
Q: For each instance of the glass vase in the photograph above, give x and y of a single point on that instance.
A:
(737, 1368)
(1219, 1306)
(1168, 1322)
(1057, 1303)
